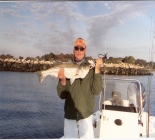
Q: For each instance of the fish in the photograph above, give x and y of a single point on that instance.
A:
(72, 71)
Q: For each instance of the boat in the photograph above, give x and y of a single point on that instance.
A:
(122, 112)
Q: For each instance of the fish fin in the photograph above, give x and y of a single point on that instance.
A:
(41, 78)
(40, 75)
(72, 80)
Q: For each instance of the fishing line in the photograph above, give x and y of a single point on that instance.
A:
(151, 51)
(104, 57)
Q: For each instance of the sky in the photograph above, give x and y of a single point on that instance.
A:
(118, 28)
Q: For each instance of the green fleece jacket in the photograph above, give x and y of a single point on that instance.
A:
(80, 96)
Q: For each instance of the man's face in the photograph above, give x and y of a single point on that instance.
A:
(79, 52)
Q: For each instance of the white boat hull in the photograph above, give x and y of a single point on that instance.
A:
(105, 127)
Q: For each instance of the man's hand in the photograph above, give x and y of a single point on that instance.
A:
(61, 76)
(99, 63)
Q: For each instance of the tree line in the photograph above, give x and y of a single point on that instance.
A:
(66, 57)
(132, 60)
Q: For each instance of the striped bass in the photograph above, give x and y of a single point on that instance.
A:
(72, 71)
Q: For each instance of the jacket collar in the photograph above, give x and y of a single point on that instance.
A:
(79, 62)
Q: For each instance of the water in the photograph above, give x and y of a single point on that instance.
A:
(32, 110)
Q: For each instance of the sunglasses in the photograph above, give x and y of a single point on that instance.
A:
(79, 48)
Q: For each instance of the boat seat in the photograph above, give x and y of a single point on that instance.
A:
(116, 98)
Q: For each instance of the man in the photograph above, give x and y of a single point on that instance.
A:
(80, 96)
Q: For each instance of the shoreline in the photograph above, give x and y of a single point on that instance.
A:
(21, 65)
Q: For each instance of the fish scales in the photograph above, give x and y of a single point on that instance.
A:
(71, 71)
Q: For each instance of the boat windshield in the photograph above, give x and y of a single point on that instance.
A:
(127, 93)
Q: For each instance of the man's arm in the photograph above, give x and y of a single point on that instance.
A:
(97, 81)
(61, 87)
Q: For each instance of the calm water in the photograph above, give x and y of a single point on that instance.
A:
(32, 110)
